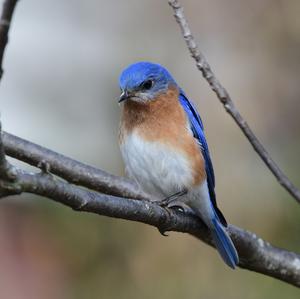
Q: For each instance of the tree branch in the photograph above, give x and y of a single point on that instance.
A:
(8, 175)
(69, 169)
(255, 254)
(227, 102)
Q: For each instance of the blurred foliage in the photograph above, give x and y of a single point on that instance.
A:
(60, 88)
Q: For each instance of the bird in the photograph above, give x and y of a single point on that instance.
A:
(164, 149)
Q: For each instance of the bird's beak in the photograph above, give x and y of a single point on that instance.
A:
(124, 96)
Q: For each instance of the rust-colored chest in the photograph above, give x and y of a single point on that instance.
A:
(163, 120)
(159, 119)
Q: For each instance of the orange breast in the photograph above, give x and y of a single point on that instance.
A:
(164, 120)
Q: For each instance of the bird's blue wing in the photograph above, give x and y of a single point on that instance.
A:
(198, 132)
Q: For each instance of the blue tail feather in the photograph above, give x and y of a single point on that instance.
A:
(224, 244)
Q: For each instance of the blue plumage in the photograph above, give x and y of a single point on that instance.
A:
(198, 131)
(136, 74)
(220, 236)
(224, 244)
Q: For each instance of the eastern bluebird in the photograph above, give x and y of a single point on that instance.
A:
(165, 151)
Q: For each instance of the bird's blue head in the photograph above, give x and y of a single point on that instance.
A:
(144, 81)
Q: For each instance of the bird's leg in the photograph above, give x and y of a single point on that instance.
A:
(172, 198)
(174, 201)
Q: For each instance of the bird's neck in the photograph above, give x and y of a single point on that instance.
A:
(137, 113)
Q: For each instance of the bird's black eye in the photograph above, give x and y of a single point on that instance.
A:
(146, 85)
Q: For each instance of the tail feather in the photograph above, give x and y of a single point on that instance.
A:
(224, 244)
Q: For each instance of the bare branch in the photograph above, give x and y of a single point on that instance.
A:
(7, 12)
(8, 175)
(255, 254)
(69, 169)
(227, 102)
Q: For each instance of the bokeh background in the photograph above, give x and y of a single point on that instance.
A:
(60, 90)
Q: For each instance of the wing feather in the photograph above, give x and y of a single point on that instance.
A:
(198, 132)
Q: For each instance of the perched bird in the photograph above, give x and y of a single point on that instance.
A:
(164, 148)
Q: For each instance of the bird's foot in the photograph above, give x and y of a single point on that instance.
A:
(164, 227)
(166, 202)
(174, 201)
(179, 205)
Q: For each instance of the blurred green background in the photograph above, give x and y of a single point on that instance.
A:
(60, 90)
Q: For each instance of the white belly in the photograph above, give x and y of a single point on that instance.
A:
(157, 168)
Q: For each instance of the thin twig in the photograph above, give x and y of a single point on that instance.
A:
(8, 175)
(227, 102)
(5, 20)
(7, 171)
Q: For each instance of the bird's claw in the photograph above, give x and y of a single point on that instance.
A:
(172, 202)
(164, 228)
(163, 231)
